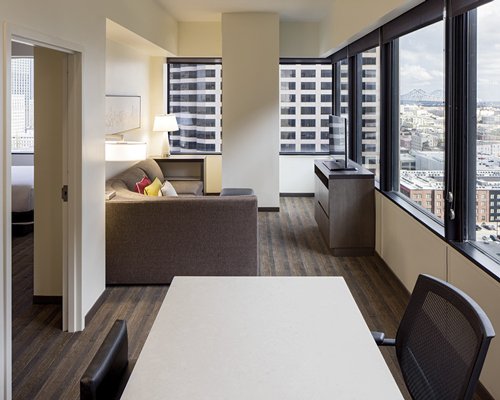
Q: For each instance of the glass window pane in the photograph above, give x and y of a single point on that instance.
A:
(370, 110)
(488, 128)
(195, 97)
(305, 88)
(421, 116)
(344, 89)
(22, 109)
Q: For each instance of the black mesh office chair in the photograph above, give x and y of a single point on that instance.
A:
(441, 342)
(108, 372)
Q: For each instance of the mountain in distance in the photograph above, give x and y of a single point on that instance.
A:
(420, 95)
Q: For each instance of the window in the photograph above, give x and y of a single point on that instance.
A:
(195, 97)
(488, 123)
(344, 89)
(370, 111)
(22, 108)
(421, 111)
(306, 98)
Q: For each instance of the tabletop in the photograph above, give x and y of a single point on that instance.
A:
(260, 338)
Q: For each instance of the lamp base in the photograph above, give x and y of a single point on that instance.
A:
(165, 148)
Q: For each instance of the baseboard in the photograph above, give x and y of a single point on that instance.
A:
(47, 300)
(268, 209)
(94, 308)
(483, 392)
(296, 194)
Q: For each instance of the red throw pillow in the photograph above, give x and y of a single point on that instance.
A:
(139, 186)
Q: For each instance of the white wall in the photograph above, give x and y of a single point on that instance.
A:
(297, 173)
(250, 61)
(79, 25)
(410, 249)
(131, 72)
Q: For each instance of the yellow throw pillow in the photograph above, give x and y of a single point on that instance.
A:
(153, 189)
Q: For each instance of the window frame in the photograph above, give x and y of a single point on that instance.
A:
(460, 126)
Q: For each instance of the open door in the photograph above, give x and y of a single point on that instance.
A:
(50, 72)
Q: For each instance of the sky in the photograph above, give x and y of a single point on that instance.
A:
(422, 56)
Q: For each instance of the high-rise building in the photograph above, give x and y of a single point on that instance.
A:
(22, 110)
(195, 97)
(305, 103)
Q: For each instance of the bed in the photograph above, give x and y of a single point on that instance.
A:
(22, 199)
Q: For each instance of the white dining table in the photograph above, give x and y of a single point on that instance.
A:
(260, 338)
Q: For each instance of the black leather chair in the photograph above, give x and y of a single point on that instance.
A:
(108, 372)
(441, 342)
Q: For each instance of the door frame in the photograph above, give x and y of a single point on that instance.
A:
(73, 318)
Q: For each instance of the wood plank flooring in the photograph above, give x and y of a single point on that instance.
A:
(48, 363)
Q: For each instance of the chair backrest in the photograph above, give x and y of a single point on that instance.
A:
(103, 377)
(442, 341)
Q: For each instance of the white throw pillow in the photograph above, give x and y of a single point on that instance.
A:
(167, 190)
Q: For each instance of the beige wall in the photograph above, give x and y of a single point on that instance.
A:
(204, 39)
(200, 39)
(350, 20)
(50, 69)
(409, 249)
(299, 39)
(250, 61)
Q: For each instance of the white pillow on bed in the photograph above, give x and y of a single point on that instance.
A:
(167, 190)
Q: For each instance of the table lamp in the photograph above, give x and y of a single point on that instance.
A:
(165, 123)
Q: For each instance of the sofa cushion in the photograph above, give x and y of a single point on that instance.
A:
(151, 168)
(153, 189)
(167, 190)
(188, 188)
(142, 184)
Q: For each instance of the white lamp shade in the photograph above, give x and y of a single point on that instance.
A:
(165, 123)
(125, 151)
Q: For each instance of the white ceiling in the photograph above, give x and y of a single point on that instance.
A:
(211, 10)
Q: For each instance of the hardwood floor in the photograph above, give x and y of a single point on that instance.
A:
(48, 363)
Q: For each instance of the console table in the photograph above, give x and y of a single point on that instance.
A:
(183, 167)
(344, 208)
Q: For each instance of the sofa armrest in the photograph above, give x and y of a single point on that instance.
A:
(149, 242)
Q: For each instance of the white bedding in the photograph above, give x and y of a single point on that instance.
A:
(23, 198)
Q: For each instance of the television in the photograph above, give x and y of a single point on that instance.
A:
(338, 144)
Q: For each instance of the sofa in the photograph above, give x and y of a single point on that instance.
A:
(150, 239)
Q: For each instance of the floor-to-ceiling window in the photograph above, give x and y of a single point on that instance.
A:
(421, 117)
(487, 183)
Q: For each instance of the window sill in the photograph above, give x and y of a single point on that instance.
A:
(477, 253)
(296, 153)
(196, 153)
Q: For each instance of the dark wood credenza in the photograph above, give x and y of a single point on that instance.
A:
(344, 209)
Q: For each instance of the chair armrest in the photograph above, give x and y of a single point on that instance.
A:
(381, 340)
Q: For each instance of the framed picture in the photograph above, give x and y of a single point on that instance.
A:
(123, 113)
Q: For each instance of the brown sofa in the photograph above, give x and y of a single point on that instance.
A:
(149, 240)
